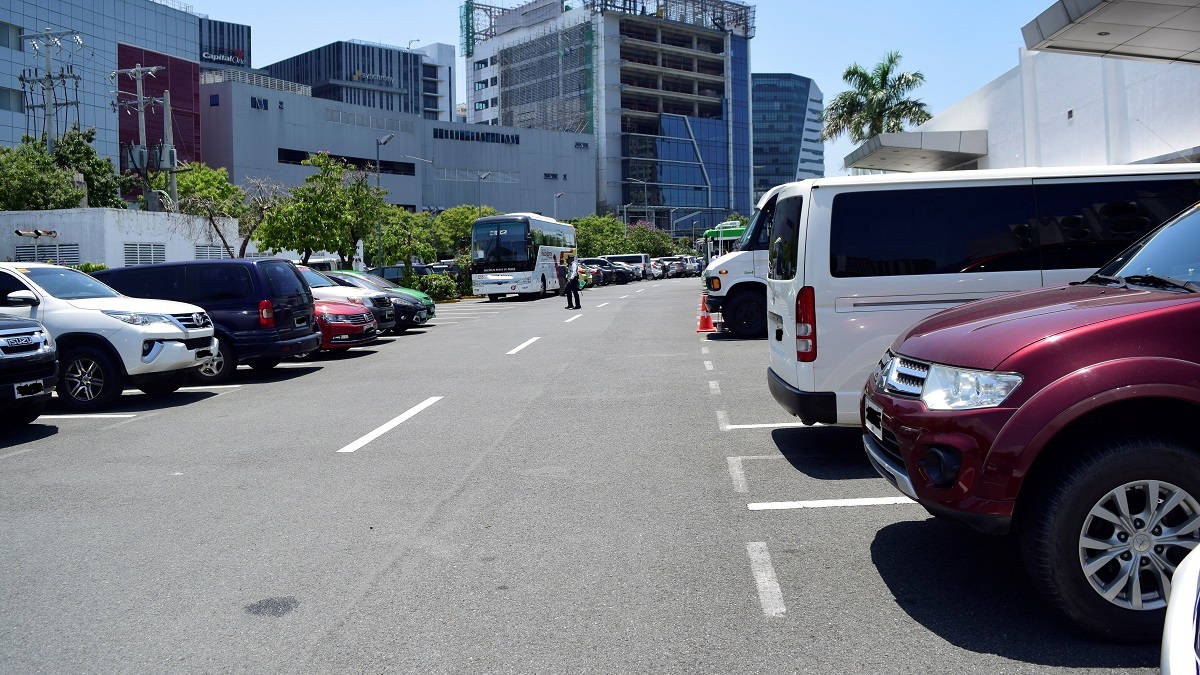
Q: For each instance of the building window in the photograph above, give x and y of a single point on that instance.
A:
(550, 176)
(62, 254)
(482, 84)
(480, 65)
(481, 105)
(495, 101)
(493, 81)
(12, 100)
(214, 100)
(259, 103)
(139, 253)
(290, 156)
(581, 145)
(10, 36)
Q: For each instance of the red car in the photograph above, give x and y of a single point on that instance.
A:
(344, 325)
(1064, 415)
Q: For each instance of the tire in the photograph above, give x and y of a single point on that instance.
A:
(91, 379)
(264, 364)
(543, 293)
(745, 313)
(1059, 517)
(22, 414)
(493, 297)
(163, 386)
(219, 368)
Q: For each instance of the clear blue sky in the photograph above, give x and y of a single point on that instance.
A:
(959, 45)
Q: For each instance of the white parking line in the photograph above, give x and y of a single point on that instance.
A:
(828, 503)
(199, 387)
(391, 424)
(769, 595)
(708, 365)
(573, 318)
(603, 304)
(714, 387)
(523, 345)
(737, 471)
(89, 416)
(640, 290)
(704, 350)
(623, 297)
(724, 425)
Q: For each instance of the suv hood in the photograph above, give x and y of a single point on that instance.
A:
(140, 305)
(982, 334)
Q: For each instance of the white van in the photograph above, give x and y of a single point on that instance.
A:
(853, 261)
(637, 260)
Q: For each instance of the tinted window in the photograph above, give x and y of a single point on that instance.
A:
(934, 231)
(1083, 225)
(315, 279)
(163, 283)
(9, 284)
(214, 283)
(284, 279)
(784, 234)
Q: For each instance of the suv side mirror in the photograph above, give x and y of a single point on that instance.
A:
(23, 298)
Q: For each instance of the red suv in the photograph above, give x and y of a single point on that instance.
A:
(1065, 415)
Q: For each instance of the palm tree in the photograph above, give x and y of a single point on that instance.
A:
(876, 102)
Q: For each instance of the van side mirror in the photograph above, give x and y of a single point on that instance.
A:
(19, 298)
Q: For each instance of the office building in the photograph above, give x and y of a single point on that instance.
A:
(260, 127)
(663, 87)
(224, 45)
(387, 78)
(787, 130)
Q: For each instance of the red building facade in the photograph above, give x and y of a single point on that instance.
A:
(182, 78)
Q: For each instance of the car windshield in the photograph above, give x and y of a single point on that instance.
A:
(1171, 252)
(68, 284)
(377, 280)
(315, 279)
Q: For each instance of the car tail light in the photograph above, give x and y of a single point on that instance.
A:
(266, 314)
(806, 325)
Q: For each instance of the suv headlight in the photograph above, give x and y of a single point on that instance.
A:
(138, 319)
(949, 388)
(47, 341)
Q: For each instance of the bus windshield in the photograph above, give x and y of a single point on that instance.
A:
(500, 246)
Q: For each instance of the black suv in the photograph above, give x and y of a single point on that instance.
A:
(28, 370)
(615, 273)
(261, 309)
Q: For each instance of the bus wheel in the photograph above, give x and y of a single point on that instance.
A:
(543, 293)
(493, 297)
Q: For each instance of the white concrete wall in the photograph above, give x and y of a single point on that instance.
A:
(1121, 111)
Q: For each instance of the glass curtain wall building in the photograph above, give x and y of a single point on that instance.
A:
(787, 130)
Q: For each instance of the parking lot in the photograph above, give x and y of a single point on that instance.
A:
(512, 488)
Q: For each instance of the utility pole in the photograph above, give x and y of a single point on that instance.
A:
(45, 42)
(167, 153)
(139, 157)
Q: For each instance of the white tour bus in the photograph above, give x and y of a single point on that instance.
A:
(517, 253)
(853, 261)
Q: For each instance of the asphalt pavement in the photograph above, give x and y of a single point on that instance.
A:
(619, 494)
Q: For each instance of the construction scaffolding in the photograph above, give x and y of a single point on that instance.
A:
(547, 82)
(477, 22)
(722, 15)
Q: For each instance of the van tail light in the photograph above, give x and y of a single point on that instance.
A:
(266, 314)
(806, 325)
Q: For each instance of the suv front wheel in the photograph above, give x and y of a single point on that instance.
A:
(90, 380)
(1102, 540)
(219, 367)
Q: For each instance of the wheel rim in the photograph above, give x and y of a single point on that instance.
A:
(84, 378)
(1132, 540)
(214, 365)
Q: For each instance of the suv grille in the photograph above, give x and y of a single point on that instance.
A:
(358, 319)
(381, 301)
(192, 321)
(20, 342)
(901, 375)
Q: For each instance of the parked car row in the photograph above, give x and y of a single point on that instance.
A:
(1048, 399)
(153, 326)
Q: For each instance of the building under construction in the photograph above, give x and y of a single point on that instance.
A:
(662, 85)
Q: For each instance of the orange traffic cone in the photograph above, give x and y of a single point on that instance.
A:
(706, 324)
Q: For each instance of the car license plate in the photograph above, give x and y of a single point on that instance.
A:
(389, 315)
(873, 418)
(27, 389)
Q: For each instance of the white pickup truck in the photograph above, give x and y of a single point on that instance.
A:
(736, 283)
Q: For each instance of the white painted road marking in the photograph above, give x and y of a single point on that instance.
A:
(623, 297)
(714, 388)
(640, 290)
(704, 350)
(828, 503)
(722, 420)
(708, 365)
(769, 595)
(737, 471)
(573, 318)
(391, 424)
(89, 416)
(523, 345)
(601, 305)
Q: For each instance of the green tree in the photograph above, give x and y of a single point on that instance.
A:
(205, 191)
(877, 102)
(364, 209)
(406, 236)
(30, 179)
(453, 226)
(738, 217)
(601, 235)
(74, 151)
(313, 219)
(650, 240)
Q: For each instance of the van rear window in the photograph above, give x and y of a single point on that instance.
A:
(284, 279)
(213, 283)
(933, 231)
(783, 223)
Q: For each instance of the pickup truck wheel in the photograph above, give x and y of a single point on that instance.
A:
(90, 380)
(163, 386)
(264, 364)
(1102, 540)
(745, 313)
(219, 367)
(22, 414)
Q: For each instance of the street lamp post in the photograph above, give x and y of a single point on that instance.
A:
(379, 143)
(479, 190)
(556, 196)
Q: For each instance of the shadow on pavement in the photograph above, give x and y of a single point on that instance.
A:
(136, 402)
(250, 376)
(825, 453)
(26, 434)
(342, 354)
(725, 336)
(971, 590)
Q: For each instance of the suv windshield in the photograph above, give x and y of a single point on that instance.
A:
(377, 280)
(1171, 252)
(315, 279)
(68, 284)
